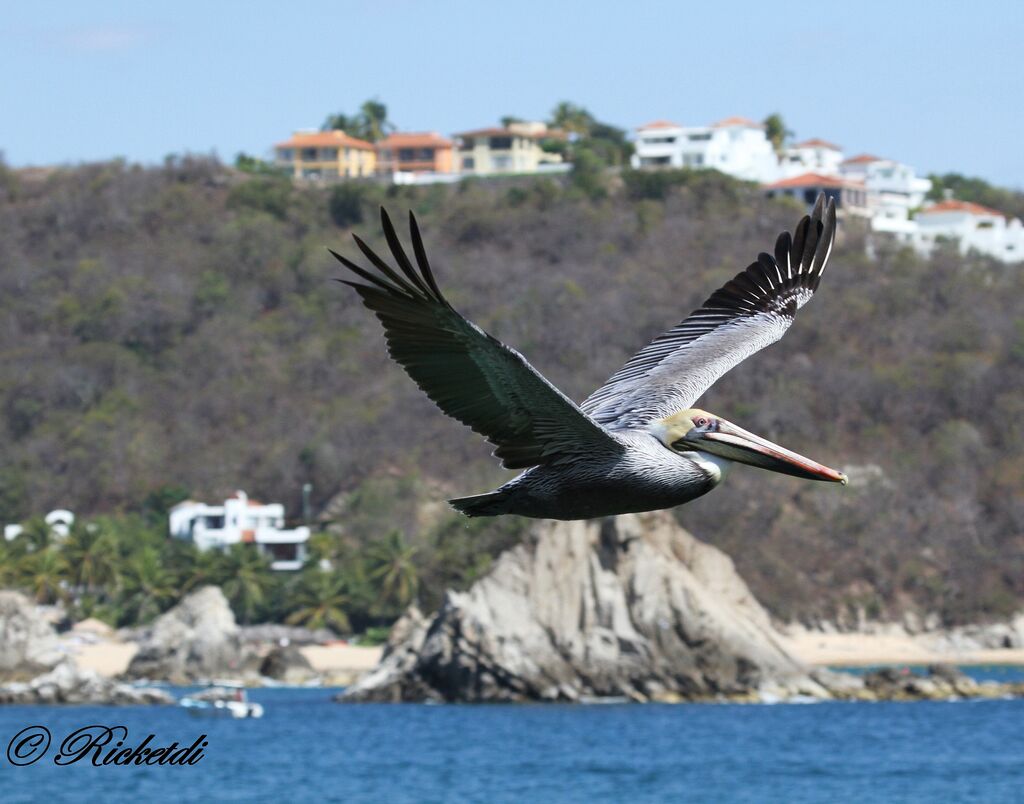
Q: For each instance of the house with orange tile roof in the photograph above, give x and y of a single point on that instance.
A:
(974, 227)
(849, 195)
(736, 145)
(326, 155)
(414, 152)
(517, 148)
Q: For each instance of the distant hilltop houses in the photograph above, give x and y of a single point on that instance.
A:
(421, 157)
(888, 194)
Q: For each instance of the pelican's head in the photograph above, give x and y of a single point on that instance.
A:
(697, 430)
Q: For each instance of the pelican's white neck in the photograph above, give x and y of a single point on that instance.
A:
(715, 466)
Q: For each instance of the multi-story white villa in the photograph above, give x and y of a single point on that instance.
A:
(975, 227)
(241, 520)
(893, 188)
(811, 156)
(736, 146)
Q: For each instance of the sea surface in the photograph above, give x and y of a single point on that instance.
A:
(307, 748)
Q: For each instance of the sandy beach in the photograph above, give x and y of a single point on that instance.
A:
(811, 647)
(334, 661)
(857, 649)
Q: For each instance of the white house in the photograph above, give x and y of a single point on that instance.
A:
(975, 227)
(59, 520)
(241, 520)
(736, 146)
(893, 188)
(811, 156)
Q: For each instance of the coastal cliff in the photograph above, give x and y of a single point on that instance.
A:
(630, 607)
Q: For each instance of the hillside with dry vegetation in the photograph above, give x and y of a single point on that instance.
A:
(174, 329)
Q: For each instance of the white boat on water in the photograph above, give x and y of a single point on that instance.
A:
(222, 701)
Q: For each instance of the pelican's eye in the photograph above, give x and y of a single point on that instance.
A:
(702, 421)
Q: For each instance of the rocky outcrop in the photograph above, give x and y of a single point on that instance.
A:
(196, 640)
(629, 607)
(69, 684)
(287, 664)
(28, 643)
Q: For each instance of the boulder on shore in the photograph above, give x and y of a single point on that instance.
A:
(196, 640)
(28, 643)
(69, 684)
(630, 607)
(287, 664)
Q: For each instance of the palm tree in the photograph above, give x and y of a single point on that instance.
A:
(392, 563)
(147, 587)
(776, 132)
(43, 573)
(248, 581)
(319, 601)
(373, 118)
(92, 557)
(572, 118)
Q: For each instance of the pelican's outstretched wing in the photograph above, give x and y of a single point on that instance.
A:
(741, 318)
(470, 375)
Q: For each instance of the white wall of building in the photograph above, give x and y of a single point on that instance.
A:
(740, 149)
(241, 520)
(974, 228)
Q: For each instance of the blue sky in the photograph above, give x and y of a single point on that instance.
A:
(938, 85)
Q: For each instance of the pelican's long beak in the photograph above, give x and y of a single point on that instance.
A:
(735, 443)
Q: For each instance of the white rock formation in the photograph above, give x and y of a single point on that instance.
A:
(632, 606)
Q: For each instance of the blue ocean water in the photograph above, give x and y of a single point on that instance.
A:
(307, 748)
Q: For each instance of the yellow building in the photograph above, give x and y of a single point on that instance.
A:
(515, 149)
(326, 154)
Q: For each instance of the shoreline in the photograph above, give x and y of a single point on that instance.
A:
(859, 649)
(814, 648)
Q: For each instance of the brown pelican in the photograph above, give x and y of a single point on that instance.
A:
(636, 443)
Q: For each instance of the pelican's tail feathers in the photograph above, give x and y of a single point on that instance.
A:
(491, 504)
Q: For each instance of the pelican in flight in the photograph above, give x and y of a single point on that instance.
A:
(636, 443)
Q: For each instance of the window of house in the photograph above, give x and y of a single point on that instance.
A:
(502, 162)
(406, 154)
(468, 163)
(501, 143)
(286, 154)
(699, 137)
(426, 155)
(309, 154)
(468, 143)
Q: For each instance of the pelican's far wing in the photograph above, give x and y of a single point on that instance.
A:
(750, 312)
(470, 375)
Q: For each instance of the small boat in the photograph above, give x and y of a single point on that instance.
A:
(223, 701)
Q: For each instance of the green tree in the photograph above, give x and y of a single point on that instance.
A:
(345, 204)
(147, 587)
(92, 557)
(392, 565)
(572, 119)
(374, 123)
(320, 600)
(249, 580)
(776, 132)
(43, 573)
